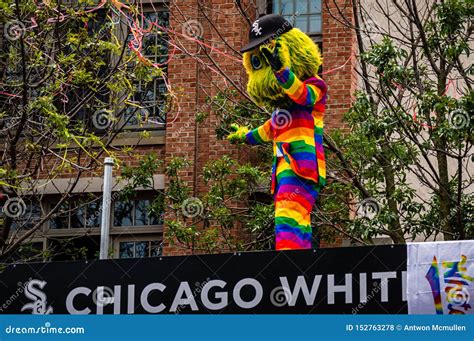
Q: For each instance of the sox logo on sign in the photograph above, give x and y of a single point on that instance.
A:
(33, 291)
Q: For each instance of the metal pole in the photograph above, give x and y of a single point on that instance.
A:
(106, 203)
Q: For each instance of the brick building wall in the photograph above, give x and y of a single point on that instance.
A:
(339, 46)
(198, 143)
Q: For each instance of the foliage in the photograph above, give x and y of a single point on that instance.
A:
(208, 223)
(68, 88)
(411, 127)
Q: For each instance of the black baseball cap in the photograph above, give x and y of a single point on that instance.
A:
(265, 29)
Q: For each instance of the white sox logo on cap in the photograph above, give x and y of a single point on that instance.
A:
(266, 28)
(256, 28)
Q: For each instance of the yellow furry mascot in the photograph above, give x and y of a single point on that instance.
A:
(282, 64)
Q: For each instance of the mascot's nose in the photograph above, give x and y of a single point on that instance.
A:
(266, 28)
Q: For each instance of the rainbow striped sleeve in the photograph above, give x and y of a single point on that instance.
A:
(261, 134)
(298, 91)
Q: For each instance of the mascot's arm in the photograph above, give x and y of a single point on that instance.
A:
(300, 92)
(259, 135)
(253, 137)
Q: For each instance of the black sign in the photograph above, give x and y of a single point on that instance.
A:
(356, 280)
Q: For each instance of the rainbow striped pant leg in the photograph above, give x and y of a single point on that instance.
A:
(294, 200)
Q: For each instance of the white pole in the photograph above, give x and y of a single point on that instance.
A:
(106, 203)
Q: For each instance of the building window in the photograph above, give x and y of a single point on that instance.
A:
(75, 247)
(150, 98)
(134, 213)
(87, 213)
(140, 249)
(304, 14)
(27, 252)
(25, 214)
(81, 112)
(77, 213)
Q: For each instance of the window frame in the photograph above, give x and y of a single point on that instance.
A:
(148, 240)
(157, 82)
(134, 215)
(71, 211)
(316, 36)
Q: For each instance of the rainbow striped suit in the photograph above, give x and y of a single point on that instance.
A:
(299, 167)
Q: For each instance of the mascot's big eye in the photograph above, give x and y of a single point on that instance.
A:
(256, 62)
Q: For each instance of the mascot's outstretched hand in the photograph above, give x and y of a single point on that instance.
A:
(238, 133)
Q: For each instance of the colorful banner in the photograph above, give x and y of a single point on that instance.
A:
(440, 277)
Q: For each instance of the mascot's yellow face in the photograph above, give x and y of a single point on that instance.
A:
(298, 52)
